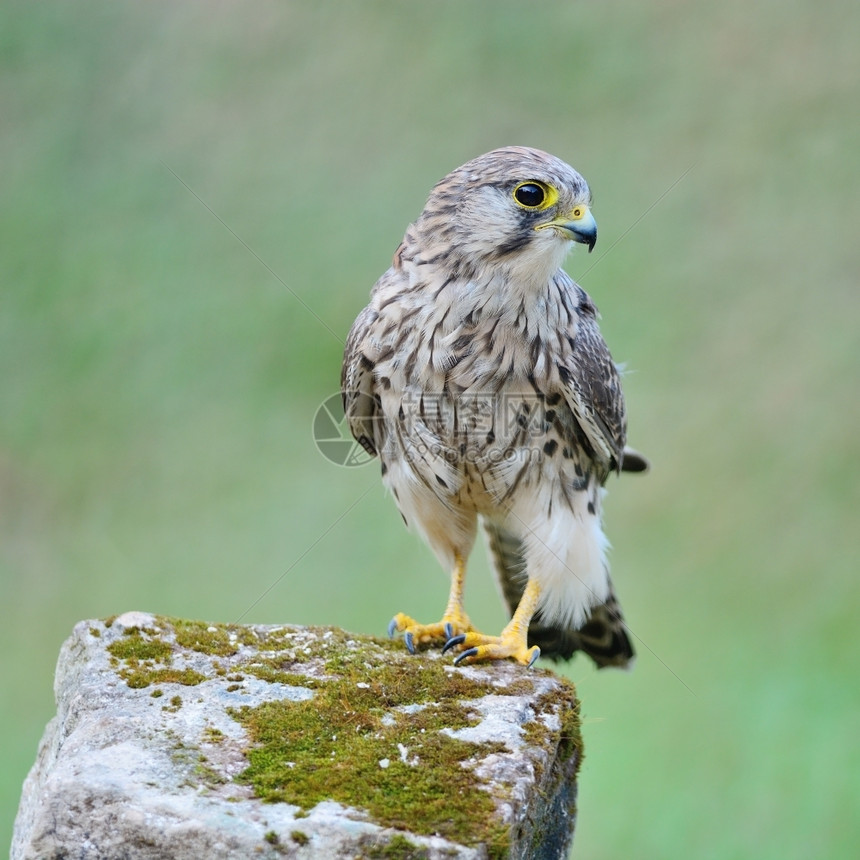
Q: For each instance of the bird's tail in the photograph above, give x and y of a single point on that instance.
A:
(633, 461)
(603, 637)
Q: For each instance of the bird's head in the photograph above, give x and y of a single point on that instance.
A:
(514, 207)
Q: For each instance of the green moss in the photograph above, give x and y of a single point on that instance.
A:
(566, 739)
(299, 837)
(194, 763)
(157, 693)
(143, 658)
(272, 838)
(174, 705)
(570, 738)
(271, 670)
(370, 737)
(142, 676)
(279, 639)
(211, 735)
(398, 848)
(330, 747)
(208, 775)
(135, 646)
(522, 687)
(205, 638)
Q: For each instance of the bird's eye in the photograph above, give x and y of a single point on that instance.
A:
(530, 195)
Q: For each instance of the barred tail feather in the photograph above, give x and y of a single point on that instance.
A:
(603, 636)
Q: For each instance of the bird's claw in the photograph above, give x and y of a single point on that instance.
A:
(471, 652)
(415, 634)
(477, 647)
(453, 641)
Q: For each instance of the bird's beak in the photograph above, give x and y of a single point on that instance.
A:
(578, 225)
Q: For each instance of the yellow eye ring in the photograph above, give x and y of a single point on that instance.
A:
(534, 196)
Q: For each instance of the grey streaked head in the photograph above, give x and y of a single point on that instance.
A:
(515, 200)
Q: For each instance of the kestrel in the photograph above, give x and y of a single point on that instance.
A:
(478, 375)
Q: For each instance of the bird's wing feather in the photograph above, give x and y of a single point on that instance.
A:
(593, 390)
(360, 403)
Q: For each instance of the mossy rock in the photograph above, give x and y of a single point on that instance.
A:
(289, 728)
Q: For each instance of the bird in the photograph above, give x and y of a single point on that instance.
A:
(478, 376)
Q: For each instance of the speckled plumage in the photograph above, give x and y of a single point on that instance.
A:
(479, 377)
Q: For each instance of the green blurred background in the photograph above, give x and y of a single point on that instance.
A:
(165, 342)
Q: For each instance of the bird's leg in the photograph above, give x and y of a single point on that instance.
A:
(453, 622)
(513, 640)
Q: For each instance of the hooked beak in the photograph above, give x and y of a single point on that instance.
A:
(577, 225)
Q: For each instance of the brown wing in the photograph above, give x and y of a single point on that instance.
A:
(593, 390)
(360, 403)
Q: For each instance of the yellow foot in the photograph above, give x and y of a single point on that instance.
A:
(475, 647)
(451, 625)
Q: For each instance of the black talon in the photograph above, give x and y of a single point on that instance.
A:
(392, 628)
(449, 630)
(470, 653)
(454, 640)
(533, 659)
(410, 642)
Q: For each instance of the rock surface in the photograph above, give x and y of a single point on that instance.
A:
(179, 739)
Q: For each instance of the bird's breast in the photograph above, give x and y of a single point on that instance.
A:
(470, 385)
(474, 446)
